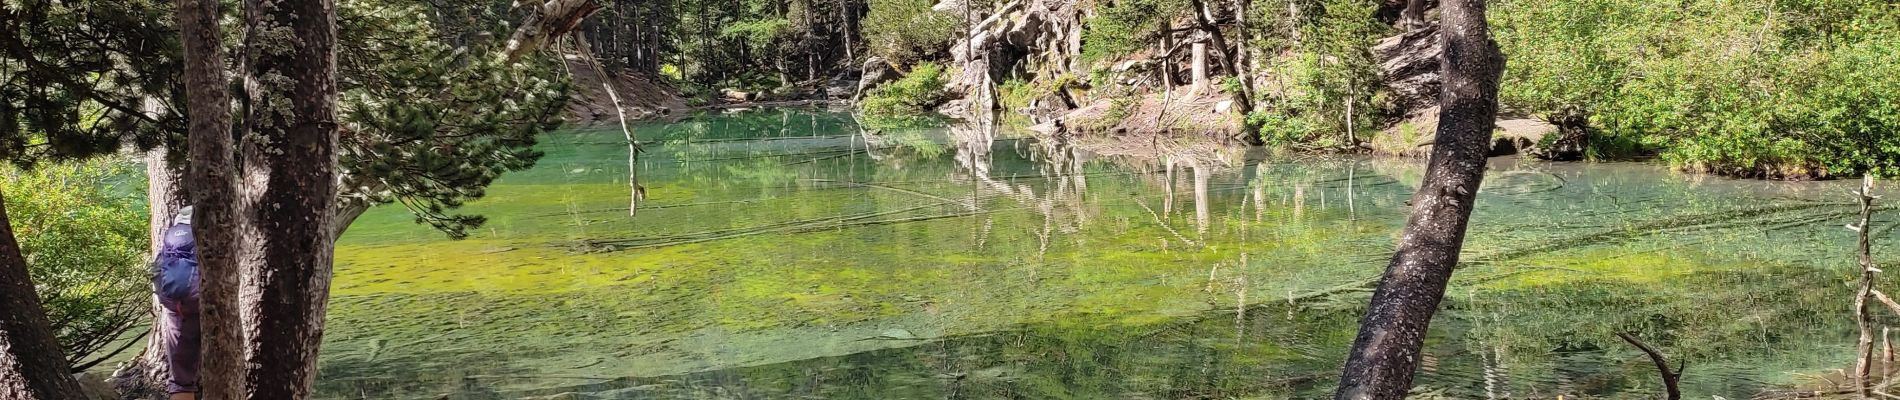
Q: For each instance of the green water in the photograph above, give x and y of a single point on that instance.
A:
(787, 253)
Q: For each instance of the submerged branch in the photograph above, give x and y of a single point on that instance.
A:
(1672, 381)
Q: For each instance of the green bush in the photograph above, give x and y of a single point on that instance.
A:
(1280, 130)
(916, 93)
(1791, 89)
(1331, 67)
(84, 241)
(907, 31)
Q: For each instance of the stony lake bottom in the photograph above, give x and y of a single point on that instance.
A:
(791, 253)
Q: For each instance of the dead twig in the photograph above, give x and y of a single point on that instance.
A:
(1864, 351)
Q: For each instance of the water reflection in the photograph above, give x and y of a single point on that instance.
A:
(792, 253)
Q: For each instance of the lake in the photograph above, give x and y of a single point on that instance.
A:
(791, 253)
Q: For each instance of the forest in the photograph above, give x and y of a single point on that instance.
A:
(1193, 199)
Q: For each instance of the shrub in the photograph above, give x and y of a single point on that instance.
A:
(1773, 89)
(1280, 130)
(84, 241)
(916, 93)
(1330, 67)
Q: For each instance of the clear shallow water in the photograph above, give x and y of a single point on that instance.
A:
(788, 254)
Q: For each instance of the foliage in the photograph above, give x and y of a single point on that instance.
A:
(915, 93)
(84, 239)
(75, 77)
(907, 31)
(1789, 89)
(430, 116)
(429, 125)
(1331, 68)
(1123, 27)
(1279, 129)
(750, 45)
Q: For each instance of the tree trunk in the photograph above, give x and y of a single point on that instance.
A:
(1413, 16)
(1204, 19)
(1293, 22)
(1387, 350)
(165, 192)
(635, 192)
(31, 364)
(287, 196)
(1169, 73)
(1243, 59)
(545, 23)
(213, 185)
(1198, 68)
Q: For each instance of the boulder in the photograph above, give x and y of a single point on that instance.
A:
(1538, 138)
(952, 7)
(841, 86)
(1049, 106)
(738, 95)
(875, 72)
(1520, 136)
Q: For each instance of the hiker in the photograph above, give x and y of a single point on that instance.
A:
(175, 276)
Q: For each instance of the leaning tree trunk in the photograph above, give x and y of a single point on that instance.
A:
(1387, 350)
(1204, 19)
(31, 364)
(1864, 353)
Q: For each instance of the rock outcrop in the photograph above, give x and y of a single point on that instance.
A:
(1023, 38)
(1408, 63)
(875, 72)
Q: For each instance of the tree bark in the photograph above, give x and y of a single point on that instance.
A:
(1387, 350)
(286, 197)
(1198, 67)
(164, 192)
(213, 188)
(31, 364)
